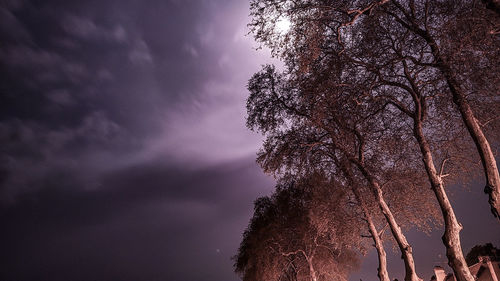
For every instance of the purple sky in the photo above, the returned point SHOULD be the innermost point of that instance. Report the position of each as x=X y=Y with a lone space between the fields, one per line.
x=124 y=154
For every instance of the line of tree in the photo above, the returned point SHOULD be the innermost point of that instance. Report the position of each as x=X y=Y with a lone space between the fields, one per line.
x=388 y=102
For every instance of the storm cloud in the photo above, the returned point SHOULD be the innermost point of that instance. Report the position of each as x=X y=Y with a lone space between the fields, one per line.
x=124 y=154
x=92 y=87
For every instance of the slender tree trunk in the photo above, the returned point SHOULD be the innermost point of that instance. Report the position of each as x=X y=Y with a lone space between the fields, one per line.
x=483 y=147
x=404 y=246
x=293 y=274
x=451 y=236
x=492 y=175
x=312 y=272
x=382 y=273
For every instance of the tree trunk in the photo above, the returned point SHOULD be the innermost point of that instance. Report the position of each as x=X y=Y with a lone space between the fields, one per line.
x=382 y=273
x=483 y=147
x=451 y=236
x=492 y=175
x=404 y=246
x=312 y=272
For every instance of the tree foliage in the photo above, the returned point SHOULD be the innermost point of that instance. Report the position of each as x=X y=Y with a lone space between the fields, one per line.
x=482 y=250
x=383 y=99
x=281 y=243
x=451 y=49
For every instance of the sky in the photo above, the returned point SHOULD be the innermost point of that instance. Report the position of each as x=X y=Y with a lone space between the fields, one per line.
x=123 y=148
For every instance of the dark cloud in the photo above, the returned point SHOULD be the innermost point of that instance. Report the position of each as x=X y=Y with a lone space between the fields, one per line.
x=91 y=86
x=151 y=222
x=123 y=150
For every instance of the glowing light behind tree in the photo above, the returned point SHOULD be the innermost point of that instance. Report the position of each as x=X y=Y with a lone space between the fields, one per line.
x=283 y=25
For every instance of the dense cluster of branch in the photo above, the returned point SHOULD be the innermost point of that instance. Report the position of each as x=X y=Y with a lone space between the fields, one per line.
x=281 y=243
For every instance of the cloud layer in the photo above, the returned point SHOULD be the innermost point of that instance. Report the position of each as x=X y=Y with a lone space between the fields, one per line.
x=124 y=154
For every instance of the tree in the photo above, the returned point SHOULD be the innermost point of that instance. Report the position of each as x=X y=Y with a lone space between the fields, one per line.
x=307 y=131
x=345 y=211
x=323 y=28
x=281 y=244
x=424 y=52
x=410 y=87
x=425 y=28
x=482 y=250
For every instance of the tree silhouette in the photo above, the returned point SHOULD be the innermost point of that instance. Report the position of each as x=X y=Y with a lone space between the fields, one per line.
x=378 y=94
x=281 y=244
x=307 y=130
x=482 y=250
x=457 y=42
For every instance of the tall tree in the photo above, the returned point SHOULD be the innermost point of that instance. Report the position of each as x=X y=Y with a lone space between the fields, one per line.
x=281 y=244
x=309 y=131
x=410 y=87
x=427 y=21
x=433 y=61
x=344 y=211
x=321 y=28
x=338 y=32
